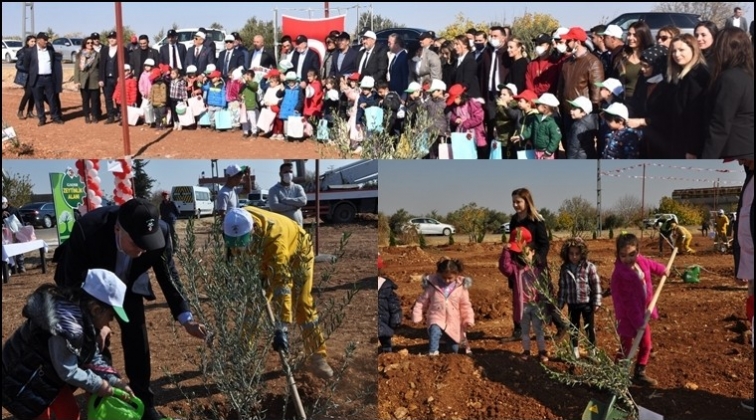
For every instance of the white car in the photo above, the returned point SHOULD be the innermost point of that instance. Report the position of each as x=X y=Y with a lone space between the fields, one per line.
x=186 y=37
x=10 y=48
x=68 y=47
x=428 y=226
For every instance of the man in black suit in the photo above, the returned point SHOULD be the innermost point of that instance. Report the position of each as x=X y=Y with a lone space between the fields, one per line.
x=492 y=71
x=230 y=58
x=209 y=43
x=40 y=62
x=398 y=69
x=129 y=240
x=344 y=58
x=466 y=71
x=199 y=55
x=259 y=58
x=239 y=45
x=139 y=56
x=109 y=74
x=304 y=59
x=173 y=54
x=373 y=58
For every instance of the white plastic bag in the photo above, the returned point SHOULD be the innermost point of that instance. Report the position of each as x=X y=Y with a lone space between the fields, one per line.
x=12 y=223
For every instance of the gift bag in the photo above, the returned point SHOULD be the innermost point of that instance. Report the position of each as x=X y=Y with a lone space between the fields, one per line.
x=148 y=112
x=463 y=147
x=26 y=234
x=224 y=119
x=133 y=115
x=323 y=133
x=295 y=127
x=12 y=223
x=444 y=150
x=204 y=120
x=187 y=118
x=196 y=105
x=7 y=236
x=495 y=150
x=265 y=121
x=374 y=119
x=527 y=154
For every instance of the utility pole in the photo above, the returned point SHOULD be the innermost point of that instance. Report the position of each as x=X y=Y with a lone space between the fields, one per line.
x=327 y=9
x=716 y=194
x=27 y=9
x=598 y=195
x=643 y=199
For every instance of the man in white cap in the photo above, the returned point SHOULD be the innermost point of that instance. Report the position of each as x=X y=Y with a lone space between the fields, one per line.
x=8 y=211
x=285 y=246
x=286 y=197
x=199 y=55
x=614 y=42
x=230 y=58
x=227 y=199
x=373 y=58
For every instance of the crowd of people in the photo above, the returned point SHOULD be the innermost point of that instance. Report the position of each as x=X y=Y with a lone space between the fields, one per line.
x=606 y=93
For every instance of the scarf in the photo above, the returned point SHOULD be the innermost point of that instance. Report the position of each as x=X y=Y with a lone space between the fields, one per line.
x=86 y=58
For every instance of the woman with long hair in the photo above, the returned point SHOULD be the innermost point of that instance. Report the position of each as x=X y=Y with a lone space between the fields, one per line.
x=666 y=34
x=706 y=34
x=518 y=54
x=688 y=73
x=87 y=78
x=639 y=39
x=22 y=77
x=448 y=57
x=729 y=110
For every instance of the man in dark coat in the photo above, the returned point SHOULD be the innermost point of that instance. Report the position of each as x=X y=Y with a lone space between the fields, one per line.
x=344 y=58
x=398 y=70
x=373 y=58
x=139 y=56
x=129 y=240
x=304 y=59
x=40 y=63
x=173 y=53
x=109 y=74
x=230 y=58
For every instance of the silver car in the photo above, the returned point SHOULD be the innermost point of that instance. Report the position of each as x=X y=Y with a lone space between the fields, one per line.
x=68 y=47
x=428 y=226
x=10 y=49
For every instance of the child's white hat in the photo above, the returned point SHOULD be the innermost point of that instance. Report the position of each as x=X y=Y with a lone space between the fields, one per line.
x=512 y=88
x=612 y=85
x=559 y=33
x=149 y=62
x=548 y=99
x=437 y=85
x=619 y=110
x=127 y=67
x=237 y=74
x=332 y=95
x=583 y=103
x=191 y=69
x=291 y=76
x=367 y=83
x=413 y=87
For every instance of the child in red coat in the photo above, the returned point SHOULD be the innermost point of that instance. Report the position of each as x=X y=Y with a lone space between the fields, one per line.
x=131 y=88
x=313 y=104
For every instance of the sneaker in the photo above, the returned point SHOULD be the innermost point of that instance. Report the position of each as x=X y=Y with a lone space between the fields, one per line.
x=433 y=353
x=543 y=356
x=747 y=404
x=320 y=367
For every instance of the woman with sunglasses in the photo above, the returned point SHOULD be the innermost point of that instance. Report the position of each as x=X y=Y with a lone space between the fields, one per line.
x=87 y=78
x=666 y=34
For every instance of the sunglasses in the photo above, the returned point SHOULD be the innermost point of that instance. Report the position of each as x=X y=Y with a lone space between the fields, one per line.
x=229 y=42
x=662 y=38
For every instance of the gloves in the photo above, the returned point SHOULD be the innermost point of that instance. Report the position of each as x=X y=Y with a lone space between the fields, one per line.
x=281 y=340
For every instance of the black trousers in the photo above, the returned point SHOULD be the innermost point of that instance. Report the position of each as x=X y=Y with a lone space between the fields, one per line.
x=584 y=310
x=27 y=101
x=108 y=90
x=385 y=343
x=44 y=91
x=136 y=348
x=90 y=101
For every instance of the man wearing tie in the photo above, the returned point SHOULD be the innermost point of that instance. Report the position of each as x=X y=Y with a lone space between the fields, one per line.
x=304 y=59
x=41 y=78
x=398 y=71
x=231 y=58
x=259 y=58
x=493 y=69
x=173 y=53
x=737 y=21
x=199 y=55
x=373 y=58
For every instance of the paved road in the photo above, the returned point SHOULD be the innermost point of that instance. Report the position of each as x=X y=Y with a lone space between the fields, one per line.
x=48 y=235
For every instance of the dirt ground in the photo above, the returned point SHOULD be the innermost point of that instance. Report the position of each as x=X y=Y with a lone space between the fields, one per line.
x=75 y=139
x=355 y=395
x=701 y=358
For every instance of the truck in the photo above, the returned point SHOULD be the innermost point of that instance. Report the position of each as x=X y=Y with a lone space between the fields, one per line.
x=345 y=192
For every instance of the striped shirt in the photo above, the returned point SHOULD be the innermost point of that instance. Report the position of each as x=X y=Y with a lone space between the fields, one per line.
x=579 y=284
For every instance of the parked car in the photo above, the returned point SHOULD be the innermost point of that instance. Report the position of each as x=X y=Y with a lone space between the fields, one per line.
x=657 y=219
x=10 y=49
x=39 y=214
x=243 y=202
x=410 y=35
x=68 y=47
x=504 y=228
x=656 y=20
x=428 y=226
x=186 y=37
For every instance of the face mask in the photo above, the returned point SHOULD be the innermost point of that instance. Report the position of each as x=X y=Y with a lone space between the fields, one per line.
x=479 y=47
x=562 y=48
x=495 y=42
x=472 y=43
x=541 y=50
x=417 y=59
x=287 y=177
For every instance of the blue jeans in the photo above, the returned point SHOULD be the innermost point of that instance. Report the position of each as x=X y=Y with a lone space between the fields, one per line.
x=436 y=333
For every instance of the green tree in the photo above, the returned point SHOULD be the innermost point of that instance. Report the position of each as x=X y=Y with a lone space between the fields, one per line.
x=460 y=26
x=52 y=34
x=530 y=25
x=471 y=219
x=398 y=219
x=687 y=213
x=715 y=11
x=549 y=217
x=375 y=23
x=255 y=26
x=216 y=26
x=143 y=183
x=17 y=188
x=127 y=33
x=578 y=216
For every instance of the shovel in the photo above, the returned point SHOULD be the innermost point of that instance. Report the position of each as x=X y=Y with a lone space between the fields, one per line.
x=597 y=410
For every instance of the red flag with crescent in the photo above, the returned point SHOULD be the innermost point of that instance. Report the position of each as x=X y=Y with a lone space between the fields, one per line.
x=316 y=30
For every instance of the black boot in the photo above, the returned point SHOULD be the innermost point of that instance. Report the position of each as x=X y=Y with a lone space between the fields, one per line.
x=21 y=115
x=87 y=119
x=517 y=331
x=641 y=378
x=31 y=114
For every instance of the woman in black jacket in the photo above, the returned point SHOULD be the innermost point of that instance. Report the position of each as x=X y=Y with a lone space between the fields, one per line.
x=729 y=112
x=690 y=76
x=22 y=76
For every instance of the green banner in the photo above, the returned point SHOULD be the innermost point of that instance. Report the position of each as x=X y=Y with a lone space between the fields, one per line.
x=68 y=193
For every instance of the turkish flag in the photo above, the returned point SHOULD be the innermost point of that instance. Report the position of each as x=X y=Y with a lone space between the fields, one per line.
x=316 y=30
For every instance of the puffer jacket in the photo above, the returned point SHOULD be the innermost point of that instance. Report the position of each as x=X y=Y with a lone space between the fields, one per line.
x=30 y=382
x=436 y=108
x=215 y=94
x=472 y=115
x=581 y=142
x=508 y=120
x=579 y=78
x=449 y=313
x=159 y=94
x=293 y=102
x=544 y=133
x=389 y=308
x=623 y=144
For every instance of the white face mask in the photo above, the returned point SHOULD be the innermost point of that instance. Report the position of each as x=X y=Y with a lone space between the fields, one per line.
x=562 y=48
x=287 y=178
x=541 y=50
x=495 y=42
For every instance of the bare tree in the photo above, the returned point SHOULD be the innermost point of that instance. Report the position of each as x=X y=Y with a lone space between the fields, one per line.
x=159 y=36
x=174 y=26
x=715 y=11
x=379 y=23
x=217 y=26
x=629 y=209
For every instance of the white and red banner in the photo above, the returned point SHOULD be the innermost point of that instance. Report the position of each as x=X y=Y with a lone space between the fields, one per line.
x=316 y=30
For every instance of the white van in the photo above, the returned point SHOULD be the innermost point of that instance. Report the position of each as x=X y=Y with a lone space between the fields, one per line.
x=258 y=198
x=193 y=201
x=186 y=37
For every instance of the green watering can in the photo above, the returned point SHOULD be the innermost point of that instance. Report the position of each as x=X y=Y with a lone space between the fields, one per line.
x=115 y=407
x=692 y=274
x=599 y=410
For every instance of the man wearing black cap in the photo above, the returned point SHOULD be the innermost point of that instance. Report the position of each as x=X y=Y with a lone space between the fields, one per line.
x=129 y=240
x=428 y=67
x=97 y=45
x=109 y=74
x=344 y=58
x=239 y=46
x=40 y=62
x=304 y=59
x=173 y=53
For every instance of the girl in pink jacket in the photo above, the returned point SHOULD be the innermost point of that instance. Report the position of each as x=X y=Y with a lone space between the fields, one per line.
x=632 y=291
x=467 y=116
x=446 y=306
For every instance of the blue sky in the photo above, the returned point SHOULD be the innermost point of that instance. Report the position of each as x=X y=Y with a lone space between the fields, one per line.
x=422 y=186
x=150 y=17
x=166 y=172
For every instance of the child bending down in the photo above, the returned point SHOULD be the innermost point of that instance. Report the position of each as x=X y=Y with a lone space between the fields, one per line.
x=445 y=303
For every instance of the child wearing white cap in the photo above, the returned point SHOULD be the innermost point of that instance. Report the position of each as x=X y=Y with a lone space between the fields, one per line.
x=622 y=142
x=56 y=350
x=285 y=244
x=131 y=88
x=436 y=107
x=580 y=143
x=546 y=134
